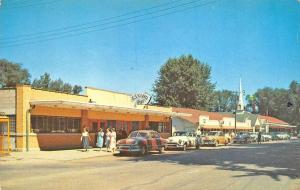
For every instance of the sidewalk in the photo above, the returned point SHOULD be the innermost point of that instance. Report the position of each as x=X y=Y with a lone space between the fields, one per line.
x=58 y=155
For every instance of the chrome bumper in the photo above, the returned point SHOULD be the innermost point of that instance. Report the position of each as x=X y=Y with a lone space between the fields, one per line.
x=128 y=148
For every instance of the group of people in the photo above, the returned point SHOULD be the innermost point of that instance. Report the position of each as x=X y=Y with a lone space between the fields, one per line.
x=109 y=139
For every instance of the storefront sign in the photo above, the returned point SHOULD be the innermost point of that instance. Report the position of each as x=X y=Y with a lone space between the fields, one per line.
x=141 y=98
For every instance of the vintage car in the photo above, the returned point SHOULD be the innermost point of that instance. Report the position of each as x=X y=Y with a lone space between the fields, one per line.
x=253 y=136
x=215 y=138
x=266 y=137
x=142 y=142
x=242 y=137
x=182 y=140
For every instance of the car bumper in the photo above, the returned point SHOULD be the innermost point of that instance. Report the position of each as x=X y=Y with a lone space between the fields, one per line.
x=173 y=146
x=208 y=142
x=129 y=148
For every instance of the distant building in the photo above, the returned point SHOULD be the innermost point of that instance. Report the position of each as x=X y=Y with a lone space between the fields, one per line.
x=272 y=124
x=208 y=121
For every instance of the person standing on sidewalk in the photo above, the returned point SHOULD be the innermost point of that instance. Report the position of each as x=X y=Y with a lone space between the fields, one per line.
x=85 y=138
x=113 y=143
x=107 y=141
x=259 y=138
x=100 y=136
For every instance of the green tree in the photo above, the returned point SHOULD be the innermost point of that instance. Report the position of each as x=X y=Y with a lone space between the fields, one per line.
x=12 y=74
x=224 y=101
x=281 y=103
x=184 y=82
x=76 y=89
x=56 y=85
x=43 y=82
x=67 y=88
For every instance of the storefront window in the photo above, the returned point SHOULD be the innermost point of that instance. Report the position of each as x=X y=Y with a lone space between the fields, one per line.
x=48 y=124
x=111 y=123
x=158 y=126
x=135 y=125
x=12 y=123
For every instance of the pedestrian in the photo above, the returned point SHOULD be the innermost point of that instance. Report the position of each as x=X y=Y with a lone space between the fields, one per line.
x=123 y=133
x=100 y=136
x=113 y=142
x=85 y=139
x=232 y=135
x=259 y=138
x=107 y=141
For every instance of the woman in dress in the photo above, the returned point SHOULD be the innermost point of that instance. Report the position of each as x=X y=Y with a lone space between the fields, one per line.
x=85 y=138
x=107 y=141
x=100 y=136
x=113 y=137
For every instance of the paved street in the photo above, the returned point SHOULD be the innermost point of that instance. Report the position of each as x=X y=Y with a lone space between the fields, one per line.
x=266 y=166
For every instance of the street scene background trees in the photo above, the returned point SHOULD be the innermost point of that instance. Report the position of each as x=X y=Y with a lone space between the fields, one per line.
x=13 y=73
x=182 y=82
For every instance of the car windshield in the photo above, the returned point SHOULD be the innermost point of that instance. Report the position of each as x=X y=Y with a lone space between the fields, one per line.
x=137 y=134
x=242 y=133
x=212 y=133
x=180 y=133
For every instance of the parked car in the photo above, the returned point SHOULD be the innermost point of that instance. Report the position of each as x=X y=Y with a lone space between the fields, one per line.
x=181 y=140
x=215 y=138
x=280 y=136
x=266 y=137
x=253 y=136
x=142 y=141
x=242 y=137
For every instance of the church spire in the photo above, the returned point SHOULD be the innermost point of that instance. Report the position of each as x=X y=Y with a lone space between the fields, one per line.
x=241 y=98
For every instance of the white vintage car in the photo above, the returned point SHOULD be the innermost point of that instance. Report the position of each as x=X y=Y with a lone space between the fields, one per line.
x=181 y=140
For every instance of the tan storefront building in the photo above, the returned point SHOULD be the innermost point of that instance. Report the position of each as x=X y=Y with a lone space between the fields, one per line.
x=41 y=119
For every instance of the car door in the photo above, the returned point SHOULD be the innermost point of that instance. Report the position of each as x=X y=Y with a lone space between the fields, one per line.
x=221 y=138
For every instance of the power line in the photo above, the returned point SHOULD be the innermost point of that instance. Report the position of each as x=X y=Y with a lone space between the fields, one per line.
x=20 y=2
x=103 y=24
x=109 y=27
x=28 y=5
x=88 y=23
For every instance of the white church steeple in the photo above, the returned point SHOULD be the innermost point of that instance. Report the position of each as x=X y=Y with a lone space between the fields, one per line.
x=241 y=98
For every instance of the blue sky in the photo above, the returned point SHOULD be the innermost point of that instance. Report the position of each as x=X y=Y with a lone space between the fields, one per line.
x=258 y=41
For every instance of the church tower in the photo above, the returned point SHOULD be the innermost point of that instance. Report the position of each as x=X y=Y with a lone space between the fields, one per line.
x=241 y=98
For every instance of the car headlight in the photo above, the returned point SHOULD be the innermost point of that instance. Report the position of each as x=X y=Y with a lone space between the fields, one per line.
x=136 y=142
x=179 y=141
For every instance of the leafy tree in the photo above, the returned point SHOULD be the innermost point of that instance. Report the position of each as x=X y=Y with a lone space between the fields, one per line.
x=76 y=89
x=184 y=82
x=12 y=74
x=281 y=103
x=224 y=101
x=252 y=104
x=67 y=88
x=43 y=82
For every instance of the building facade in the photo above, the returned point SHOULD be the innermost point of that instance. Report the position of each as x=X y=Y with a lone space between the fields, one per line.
x=43 y=120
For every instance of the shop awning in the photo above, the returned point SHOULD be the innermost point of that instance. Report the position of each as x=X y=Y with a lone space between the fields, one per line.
x=226 y=127
x=98 y=107
x=280 y=126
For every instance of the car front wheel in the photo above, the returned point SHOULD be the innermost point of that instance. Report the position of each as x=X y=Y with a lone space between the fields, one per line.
x=161 y=150
x=143 y=150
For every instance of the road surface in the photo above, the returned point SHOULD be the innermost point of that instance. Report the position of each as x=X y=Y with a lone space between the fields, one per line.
x=243 y=167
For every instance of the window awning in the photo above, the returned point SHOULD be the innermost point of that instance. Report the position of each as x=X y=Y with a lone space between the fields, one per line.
x=106 y=108
x=279 y=125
